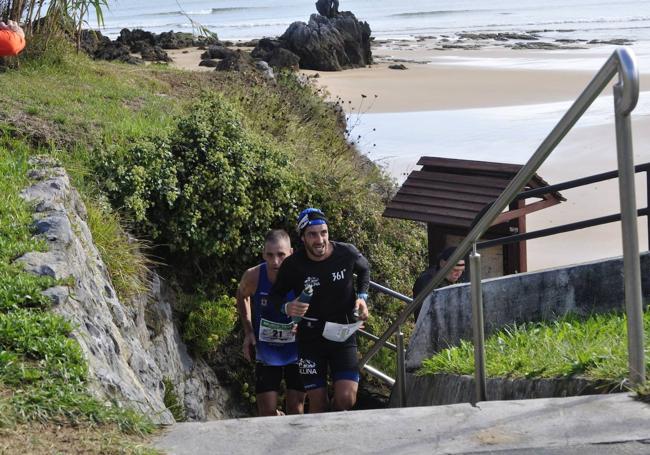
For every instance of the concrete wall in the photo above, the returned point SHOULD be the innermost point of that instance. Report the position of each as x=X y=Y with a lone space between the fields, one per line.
x=440 y=389
x=445 y=318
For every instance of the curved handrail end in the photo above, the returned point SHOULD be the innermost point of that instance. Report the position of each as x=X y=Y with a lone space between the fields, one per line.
x=628 y=84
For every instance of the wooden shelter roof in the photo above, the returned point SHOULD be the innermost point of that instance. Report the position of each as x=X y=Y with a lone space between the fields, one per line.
x=451 y=192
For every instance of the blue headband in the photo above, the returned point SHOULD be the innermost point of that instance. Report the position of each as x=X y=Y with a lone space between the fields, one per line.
x=310 y=217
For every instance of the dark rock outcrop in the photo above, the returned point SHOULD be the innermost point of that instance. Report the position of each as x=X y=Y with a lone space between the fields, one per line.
x=327 y=8
x=330 y=44
x=114 y=50
x=539 y=45
x=238 y=61
x=251 y=43
x=218 y=52
x=155 y=54
x=101 y=47
x=209 y=62
x=136 y=38
x=614 y=42
x=273 y=53
x=145 y=43
x=149 y=45
x=172 y=40
x=92 y=40
x=503 y=36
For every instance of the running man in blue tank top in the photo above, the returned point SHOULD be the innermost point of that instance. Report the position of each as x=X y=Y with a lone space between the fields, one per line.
x=269 y=338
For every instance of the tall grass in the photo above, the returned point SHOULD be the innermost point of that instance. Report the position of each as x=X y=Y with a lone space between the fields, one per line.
x=594 y=348
x=124 y=255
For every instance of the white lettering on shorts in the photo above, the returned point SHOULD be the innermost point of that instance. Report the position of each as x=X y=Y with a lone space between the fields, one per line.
x=307 y=366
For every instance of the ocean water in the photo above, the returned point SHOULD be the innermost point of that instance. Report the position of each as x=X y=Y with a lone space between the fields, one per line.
x=504 y=134
x=245 y=19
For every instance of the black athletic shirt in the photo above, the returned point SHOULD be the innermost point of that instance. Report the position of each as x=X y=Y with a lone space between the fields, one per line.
x=332 y=281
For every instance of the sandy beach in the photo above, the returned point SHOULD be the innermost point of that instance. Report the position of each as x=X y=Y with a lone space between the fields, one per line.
x=483 y=81
x=439 y=86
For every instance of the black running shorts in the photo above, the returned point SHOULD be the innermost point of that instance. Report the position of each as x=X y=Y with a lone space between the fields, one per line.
x=268 y=378
x=316 y=356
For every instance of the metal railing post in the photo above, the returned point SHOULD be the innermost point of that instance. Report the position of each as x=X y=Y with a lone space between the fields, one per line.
x=401 y=368
x=477 y=326
x=647 y=203
x=627 y=194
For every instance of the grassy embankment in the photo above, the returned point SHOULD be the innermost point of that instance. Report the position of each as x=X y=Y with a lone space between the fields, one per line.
x=60 y=108
x=594 y=348
x=43 y=403
x=81 y=112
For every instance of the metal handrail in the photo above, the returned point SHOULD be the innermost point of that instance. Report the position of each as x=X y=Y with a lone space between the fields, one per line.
x=569 y=226
x=397 y=348
x=626 y=93
x=538 y=192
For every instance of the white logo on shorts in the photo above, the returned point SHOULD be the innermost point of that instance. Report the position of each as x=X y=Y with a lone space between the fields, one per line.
x=307 y=366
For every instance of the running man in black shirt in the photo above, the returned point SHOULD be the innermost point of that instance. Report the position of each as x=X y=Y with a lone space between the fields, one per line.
x=325 y=331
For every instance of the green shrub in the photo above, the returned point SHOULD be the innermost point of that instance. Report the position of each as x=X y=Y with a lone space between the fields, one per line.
x=208 y=192
x=208 y=323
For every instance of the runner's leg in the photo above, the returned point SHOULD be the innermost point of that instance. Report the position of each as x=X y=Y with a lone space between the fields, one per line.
x=267 y=385
x=295 y=390
x=345 y=394
x=318 y=401
x=267 y=404
x=345 y=374
x=313 y=371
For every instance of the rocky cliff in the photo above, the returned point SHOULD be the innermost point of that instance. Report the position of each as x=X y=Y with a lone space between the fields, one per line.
x=131 y=347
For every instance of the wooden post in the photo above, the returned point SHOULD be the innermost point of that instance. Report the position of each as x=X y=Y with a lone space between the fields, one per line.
x=523 y=252
x=437 y=242
x=511 y=253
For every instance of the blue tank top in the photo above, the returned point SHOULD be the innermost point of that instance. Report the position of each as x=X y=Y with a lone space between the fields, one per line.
x=270 y=353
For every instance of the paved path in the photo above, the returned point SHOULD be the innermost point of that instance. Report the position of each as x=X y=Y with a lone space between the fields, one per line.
x=597 y=424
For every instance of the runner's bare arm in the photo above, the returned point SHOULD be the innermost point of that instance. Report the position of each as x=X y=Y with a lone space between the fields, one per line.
x=245 y=291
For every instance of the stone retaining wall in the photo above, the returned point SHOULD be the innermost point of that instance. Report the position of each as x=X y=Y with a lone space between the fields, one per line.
x=130 y=346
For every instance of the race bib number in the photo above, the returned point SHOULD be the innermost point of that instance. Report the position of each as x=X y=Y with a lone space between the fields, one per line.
x=276 y=332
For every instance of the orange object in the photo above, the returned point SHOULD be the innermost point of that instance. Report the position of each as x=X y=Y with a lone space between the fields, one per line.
x=11 y=43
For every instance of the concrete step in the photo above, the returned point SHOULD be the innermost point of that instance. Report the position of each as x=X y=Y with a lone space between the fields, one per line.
x=595 y=424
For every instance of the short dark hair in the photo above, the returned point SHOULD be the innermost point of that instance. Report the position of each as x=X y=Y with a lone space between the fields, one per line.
x=445 y=254
x=277 y=235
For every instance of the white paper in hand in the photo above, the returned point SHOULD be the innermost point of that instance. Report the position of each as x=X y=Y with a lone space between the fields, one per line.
x=340 y=332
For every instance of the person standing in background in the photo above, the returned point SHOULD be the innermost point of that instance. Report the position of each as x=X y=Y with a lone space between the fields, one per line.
x=12 y=39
